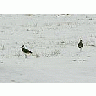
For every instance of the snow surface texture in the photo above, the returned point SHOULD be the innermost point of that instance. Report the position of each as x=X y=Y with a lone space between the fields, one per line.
x=53 y=40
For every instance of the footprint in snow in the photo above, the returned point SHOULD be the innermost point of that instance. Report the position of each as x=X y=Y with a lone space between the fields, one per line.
x=79 y=60
x=12 y=80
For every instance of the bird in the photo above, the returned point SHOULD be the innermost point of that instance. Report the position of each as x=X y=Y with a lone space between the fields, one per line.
x=26 y=51
x=80 y=45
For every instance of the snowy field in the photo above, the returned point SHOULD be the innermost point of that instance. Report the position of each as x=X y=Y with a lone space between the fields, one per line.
x=54 y=39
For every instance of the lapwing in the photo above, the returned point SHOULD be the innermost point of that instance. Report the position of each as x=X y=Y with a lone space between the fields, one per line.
x=80 y=45
x=26 y=51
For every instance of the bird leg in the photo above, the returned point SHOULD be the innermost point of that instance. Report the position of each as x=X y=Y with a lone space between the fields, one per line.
x=80 y=49
x=25 y=56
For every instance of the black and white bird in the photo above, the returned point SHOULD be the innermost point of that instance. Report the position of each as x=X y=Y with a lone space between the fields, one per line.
x=26 y=51
x=80 y=45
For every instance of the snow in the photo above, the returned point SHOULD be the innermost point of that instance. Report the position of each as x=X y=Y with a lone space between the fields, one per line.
x=54 y=38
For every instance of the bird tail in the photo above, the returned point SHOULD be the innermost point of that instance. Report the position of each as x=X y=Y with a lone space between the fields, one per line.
x=30 y=52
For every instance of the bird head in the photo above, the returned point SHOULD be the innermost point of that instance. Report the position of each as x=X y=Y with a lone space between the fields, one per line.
x=22 y=46
x=80 y=40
